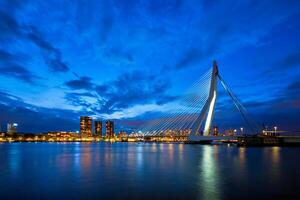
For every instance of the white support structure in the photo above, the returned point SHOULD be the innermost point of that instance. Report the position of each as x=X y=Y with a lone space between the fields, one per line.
x=208 y=109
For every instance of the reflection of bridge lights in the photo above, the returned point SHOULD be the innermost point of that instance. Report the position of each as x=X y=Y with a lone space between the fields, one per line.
x=209 y=174
x=242 y=151
x=275 y=154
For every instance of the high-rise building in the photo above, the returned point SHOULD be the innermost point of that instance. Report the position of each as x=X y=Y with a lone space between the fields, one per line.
x=109 y=129
x=215 y=130
x=86 y=126
x=98 y=128
x=12 y=128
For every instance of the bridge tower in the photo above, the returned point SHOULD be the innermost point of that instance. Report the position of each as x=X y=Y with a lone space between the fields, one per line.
x=209 y=106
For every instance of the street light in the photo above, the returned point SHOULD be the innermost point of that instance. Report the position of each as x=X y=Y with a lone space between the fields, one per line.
x=275 y=129
x=242 y=130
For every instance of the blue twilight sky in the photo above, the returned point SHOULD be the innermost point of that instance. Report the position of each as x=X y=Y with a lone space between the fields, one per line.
x=126 y=59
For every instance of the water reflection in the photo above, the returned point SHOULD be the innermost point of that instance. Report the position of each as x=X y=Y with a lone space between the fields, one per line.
x=180 y=152
x=241 y=166
x=146 y=171
x=275 y=169
x=242 y=151
x=14 y=159
x=76 y=157
x=171 y=152
x=140 y=158
x=209 y=175
x=275 y=155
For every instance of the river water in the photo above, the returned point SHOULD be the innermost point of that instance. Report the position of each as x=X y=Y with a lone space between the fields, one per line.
x=147 y=171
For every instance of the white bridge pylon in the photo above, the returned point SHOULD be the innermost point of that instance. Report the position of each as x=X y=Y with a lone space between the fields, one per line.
x=209 y=106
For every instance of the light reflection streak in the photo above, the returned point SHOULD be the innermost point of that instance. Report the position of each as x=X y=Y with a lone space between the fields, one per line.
x=171 y=152
x=275 y=170
x=180 y=151
x=275 y=155
x=208 y=180
x=140 y=158
x=77 y=157
x=14 y=158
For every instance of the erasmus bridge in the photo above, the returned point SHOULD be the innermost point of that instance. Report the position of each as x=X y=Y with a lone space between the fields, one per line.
x=191 y=115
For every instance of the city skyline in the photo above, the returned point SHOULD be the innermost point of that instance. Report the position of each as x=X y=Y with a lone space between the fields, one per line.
x=126 y=61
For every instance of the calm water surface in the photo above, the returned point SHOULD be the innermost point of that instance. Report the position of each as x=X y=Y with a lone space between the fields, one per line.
x=147 y=171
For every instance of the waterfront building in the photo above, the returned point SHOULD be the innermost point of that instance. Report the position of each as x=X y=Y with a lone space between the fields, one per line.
x=109 y=129
x=86 y=126
x=122 y=134
x=215 y=130
x=230 y=132
x=98 y=128
x=12 y=128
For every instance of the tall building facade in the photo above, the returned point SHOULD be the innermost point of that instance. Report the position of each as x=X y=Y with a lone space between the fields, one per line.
x=98 y=128
x=86 y=126
x=109 y=129
x=215 y=130
x=12 y=128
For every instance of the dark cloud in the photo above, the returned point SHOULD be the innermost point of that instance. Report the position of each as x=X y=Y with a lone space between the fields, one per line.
x=81 y=83
x=223 y=28
x=12 y=5
x=127 y=90
x=288 y=98
x=294 y=87
x=283 y=110
x=107 y=20
x=52 y=55
x=163 y=7
x=10 y=67
x=132 y=88
x=56 y=65
x=6 y=56
x=190 y=57
x=77 y=99
x=11 y=30
x=18 y=72
x=290 y=61
x=118 y=52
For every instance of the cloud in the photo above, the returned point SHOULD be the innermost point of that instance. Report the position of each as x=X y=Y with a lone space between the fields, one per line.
x=11 y=30
x=118 y=52
x=10 y=67
x=128 y=90
x=52 y=55
x=83 y=82
x=221 y=28
x=290 y=61
x=288 y=98
x=14 y=109
x=18 y=72
x=132 y=88
x=83 y=99
x=294 y=87
x=9 y=58
x=190 y=57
